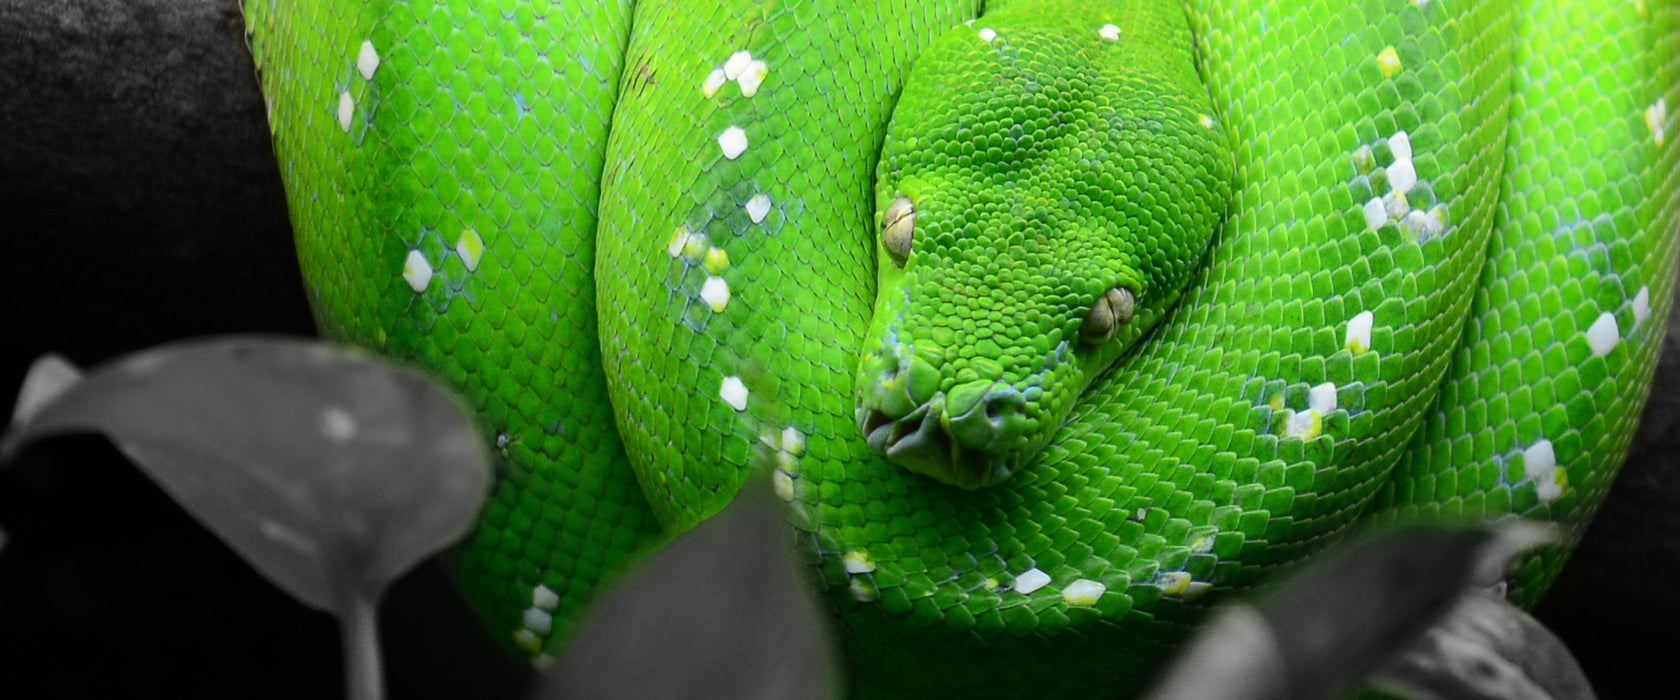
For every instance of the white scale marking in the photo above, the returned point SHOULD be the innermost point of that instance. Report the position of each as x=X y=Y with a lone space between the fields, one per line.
x=1540 y=466
x=715 y=292
x=682 y=239
x=758 y=207
x=1031 y=580
x=783 y=484
x=742 y=68
x=1415 y=221
x=1375 y=213
x=470 y=247
x=861 y=591
x=1322 y=398
x=1434 y=222
x=1305 y=425
x=987 y=34
x=538 y=621
x=1539 y=459
x=1359 y=332
x=734 y=393
x=792 y=441
x=1309 y=424
x=346 y=110
x=733 y=141
x=1603 y=334
x=737 y=64
x=1174 y=583
x=1402 y=176
x=1655 y=117
x=858 y=562
x=417 y=271
x=714 y=81
x=752 y=77
x=1109 y=32
x=367 y=61
x=544 y=598
x=1642 y=305
x=1400 y=144
x=1395 y=204
x=1083 y=592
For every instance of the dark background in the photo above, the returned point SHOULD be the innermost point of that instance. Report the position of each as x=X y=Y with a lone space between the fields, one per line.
x=140 y=204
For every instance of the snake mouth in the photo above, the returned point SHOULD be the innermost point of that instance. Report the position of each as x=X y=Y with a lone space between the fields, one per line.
x=924 y=442
x=970 y=434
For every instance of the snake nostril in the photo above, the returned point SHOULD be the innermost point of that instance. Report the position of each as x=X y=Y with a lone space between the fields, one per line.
x=1004 y=402
x=889 y=369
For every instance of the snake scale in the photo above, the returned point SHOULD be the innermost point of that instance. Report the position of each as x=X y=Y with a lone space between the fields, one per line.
x=1124 y=307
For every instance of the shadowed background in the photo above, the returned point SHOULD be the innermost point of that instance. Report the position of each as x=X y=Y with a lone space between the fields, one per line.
x=140 y=203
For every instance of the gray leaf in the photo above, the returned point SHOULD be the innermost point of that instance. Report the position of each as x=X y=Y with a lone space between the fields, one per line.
x=721 y=612
x=331 y=472
x=1344 y=615
x=1487 y=649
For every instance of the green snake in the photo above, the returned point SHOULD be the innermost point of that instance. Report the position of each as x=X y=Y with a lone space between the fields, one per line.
x=1054 y=323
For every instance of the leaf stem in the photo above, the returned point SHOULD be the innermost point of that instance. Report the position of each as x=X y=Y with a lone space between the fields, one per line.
x=363 y=676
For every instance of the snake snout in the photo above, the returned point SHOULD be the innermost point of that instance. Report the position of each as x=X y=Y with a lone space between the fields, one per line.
x=952 y=436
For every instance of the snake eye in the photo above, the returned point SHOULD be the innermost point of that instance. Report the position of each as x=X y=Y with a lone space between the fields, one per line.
x=898 y=224
x=1111 y=310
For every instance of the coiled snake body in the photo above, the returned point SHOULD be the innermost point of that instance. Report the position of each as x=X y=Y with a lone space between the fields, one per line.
x=1161 y=296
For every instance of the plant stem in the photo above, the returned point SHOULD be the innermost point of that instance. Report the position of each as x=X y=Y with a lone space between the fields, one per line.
x=363 y=676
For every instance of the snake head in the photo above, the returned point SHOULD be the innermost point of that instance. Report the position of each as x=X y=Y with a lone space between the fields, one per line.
x=963 y=394
x=1043 y=194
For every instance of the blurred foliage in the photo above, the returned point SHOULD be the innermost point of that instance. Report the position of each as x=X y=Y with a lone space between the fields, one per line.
x=1405 y=612
x=332 y=472
x=722 y=612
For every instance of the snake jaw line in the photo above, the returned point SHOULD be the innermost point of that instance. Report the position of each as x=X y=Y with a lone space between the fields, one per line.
x=950 y=437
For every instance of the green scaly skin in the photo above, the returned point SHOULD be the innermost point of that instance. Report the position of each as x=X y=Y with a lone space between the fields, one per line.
x=470 y=115
x=1477 y=349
